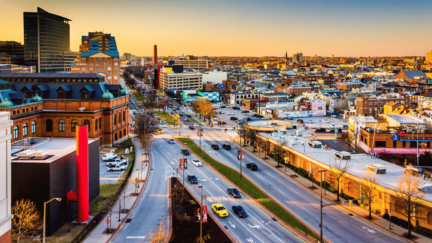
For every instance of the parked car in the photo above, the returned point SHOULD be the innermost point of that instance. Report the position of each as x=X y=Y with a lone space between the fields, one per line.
x=310 y=121
x=215 y=146
x=196 y=162
x=159 y=131
x=236 y=108
x=334 y=116
x=223 y=106
x=171 y=141
x=117 y=162
x=196 y=124
x=226 y=146
x=116 y=168
x=245 y=111
x=320 y=130
x=332 y=125
x=233 y=192
x=180 y=114
x=237 y=209
x=108 y=156
x=345 y=126
x=185 y=152
x=233 y=118
x=221 y=123
x=220 y=210
x=188 y=115
x=251 y=166
x=192 y=179
x=191 y=127
x=185 y=119
x=114 y=159
x=325 y=120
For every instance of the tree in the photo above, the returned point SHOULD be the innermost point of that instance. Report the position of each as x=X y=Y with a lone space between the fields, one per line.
x=366 y=189
x=409 y=197
x=242 y=133
x=204 y=107
x=338 y=168
x=160 y=235
x=278 y=150
x=26 y=220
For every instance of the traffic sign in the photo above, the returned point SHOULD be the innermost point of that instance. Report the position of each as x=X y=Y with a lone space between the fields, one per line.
x=242 y=155
x=286 y=158
x=180 y=164
x=204 y=214
x=107 y=221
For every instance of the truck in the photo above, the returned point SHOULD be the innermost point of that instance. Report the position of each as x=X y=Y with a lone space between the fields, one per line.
x=117 y=162
x=108 y=156
x=116 y=168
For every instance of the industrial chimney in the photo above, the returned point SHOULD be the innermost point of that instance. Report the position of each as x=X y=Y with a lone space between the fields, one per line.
x=155 y=62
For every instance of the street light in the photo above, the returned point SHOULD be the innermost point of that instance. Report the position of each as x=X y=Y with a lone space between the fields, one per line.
x=201 y=213
x=45 y=203
x=183 y=169
x=321 y=208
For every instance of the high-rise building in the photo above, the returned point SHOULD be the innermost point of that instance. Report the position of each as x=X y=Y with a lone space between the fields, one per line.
x=298 y=57
x=46 y=41
x=99 y=54
x=127 y=56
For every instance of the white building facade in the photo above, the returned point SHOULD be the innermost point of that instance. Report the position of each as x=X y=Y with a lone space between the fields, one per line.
x=5 y=177
x=215 y=77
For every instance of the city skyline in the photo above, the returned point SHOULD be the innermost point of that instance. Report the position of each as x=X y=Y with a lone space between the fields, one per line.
x=242 y=29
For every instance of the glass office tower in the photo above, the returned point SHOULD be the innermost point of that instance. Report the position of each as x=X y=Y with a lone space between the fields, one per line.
x=46 y=41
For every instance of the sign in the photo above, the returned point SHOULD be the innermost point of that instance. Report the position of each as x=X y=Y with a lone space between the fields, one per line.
x=204 y=214
x=185 y=164
x=222 y=86
x=245 y=100
x=395 y=137
x=286 y=158
x=242 y=155
x=180 y=164
x=107 y=221
x=238 y=155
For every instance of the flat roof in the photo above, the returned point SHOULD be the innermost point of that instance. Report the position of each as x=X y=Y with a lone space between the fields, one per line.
x=57 y=147
x=358 y=163
x=406 y=119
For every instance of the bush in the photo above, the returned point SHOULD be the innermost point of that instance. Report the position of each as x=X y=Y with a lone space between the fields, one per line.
x=398 y=221
x=423 y=231
x=302 y=172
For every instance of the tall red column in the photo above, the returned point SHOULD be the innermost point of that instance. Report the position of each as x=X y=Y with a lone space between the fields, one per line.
x=82 y=159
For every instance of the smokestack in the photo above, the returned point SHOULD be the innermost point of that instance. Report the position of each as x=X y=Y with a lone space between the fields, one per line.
x=155 y=62
x=82 y=159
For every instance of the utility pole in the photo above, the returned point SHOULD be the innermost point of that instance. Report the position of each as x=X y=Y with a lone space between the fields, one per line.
x=321 y=206
x=201 y=213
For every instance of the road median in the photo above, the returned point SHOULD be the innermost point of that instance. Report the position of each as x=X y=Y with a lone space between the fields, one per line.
x=255 y=192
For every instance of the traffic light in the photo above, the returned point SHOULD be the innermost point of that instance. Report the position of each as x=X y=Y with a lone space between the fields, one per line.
x=350 y=203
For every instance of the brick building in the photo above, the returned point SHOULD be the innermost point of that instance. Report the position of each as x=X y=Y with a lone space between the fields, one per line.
x=229 y=85
x=52 y=105
x=298 y=90
x=249 y=104
x=347 y=85
x=98 y=54
x=372 y=106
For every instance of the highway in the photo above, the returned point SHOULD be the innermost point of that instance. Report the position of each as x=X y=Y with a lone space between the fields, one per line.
x=339 y=226
x=152 y=206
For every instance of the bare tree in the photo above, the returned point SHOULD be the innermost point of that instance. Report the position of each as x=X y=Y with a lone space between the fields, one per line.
x=409 y=197
x=160 y=235
x=136 y=183
x=367 y=188
x=338 y=168
x=26 y=220
x=278 y=150
x=145 y=124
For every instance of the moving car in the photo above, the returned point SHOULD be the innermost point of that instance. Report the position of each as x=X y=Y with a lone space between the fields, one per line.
x=236 y=108
x=237 y=209
x=233 y=118
x=191 y=127
x=325 y=120
x=234 y=192
x=252 y=166
x=223 y=106
x=188 y=115
x=196 y=124
x=185 y=152
x=221 y=123
x=332 y=125
x=192 y=179
x=220 y=210
x=320 y=130
x=245 y=111
x=310 y=121
x=159 y=131
x=171 y=141
x=116 y=168
x=215 y=146
x=196 y=162
x=185 y=119
x=226 y=146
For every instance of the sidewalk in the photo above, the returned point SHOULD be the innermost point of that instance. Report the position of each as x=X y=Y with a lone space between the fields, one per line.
x=99 y=233
x=357 y=210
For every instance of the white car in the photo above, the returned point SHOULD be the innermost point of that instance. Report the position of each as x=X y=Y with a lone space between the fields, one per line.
x=310 y=121
x=196 y=125
x=325 y=120
x=334 y=116
x=196 y=162
x=332 y=125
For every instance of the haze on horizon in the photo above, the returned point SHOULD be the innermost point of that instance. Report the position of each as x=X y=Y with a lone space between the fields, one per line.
x=241 y=27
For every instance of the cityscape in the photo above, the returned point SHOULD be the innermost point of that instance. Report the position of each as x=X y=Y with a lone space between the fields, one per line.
x=212 y=122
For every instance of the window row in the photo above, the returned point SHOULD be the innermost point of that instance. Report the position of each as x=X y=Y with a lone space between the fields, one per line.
x=74 y=123
x=26 y=110
x=119 y=117
x=16 y=130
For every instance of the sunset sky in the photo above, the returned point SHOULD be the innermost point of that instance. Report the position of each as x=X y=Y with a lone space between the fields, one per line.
x=241 y=27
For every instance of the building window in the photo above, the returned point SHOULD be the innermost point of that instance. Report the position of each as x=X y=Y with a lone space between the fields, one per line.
x=115 y=119
x=100 y=123
x=119 y=118
x=116 y=64
x=49 y=125
x=83 y=58
x=96 y=125
x=13 y=113
x=124 y=131
x=381 y=144
x=120 y=134
x=399 y=207
x=74 y=123
x=124 y=115
x=108 y=68
x=404 y=144
x=115 y=137
x=87 y=122
x=103 y=59
x=62 y=126
x=103 y=64
x=33 y=127
x=96 y=68
x=428 y=144
x=97 y=59
x=350 y=187
x=83 y=68
x=394 y=144
x=413 y=144
x=15 y=132
x=429 y=218
x=25 y=130
x=90 y=68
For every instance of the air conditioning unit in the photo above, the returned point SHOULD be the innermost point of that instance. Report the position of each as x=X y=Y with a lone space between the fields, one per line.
x=298 y=133
x=315 y=144
x=26 y=154
x=377 y=168
x=343 y=155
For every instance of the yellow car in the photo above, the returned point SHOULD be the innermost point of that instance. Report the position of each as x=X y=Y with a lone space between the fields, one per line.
x=159 y=131
x=220 y=210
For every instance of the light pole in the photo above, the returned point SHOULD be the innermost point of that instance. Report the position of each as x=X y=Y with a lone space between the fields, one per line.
x=44 y=216
x=321 y=206
x=390 y=215
x=201 y=213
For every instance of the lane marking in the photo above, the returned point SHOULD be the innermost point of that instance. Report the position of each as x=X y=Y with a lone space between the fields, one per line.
x=135 y=237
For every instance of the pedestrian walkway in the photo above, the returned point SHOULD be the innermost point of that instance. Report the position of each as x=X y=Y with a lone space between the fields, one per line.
x=330 y=197
x=99 y=234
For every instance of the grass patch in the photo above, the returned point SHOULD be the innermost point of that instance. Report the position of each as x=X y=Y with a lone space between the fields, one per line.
x=167 y=117
x=140 y=97
x=250 y=189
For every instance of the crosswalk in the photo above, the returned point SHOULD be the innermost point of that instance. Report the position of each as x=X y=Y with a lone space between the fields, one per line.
x=225 y=139
x=162 y=136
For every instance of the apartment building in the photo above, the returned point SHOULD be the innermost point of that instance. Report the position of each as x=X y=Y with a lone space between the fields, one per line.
x=192 y=64
x=372 y=106
x=98 y=54
x=298 y=90
x=181 y=81
x=347 y=85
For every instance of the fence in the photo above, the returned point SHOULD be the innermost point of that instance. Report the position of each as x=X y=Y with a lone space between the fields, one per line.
x=101 y=215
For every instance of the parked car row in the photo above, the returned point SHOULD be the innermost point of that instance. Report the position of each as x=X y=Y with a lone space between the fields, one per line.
x=114 y=162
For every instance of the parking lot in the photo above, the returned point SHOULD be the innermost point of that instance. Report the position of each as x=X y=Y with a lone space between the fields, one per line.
x=107 y=177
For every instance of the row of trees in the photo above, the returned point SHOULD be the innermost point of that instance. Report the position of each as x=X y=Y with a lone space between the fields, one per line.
x=204 y=107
